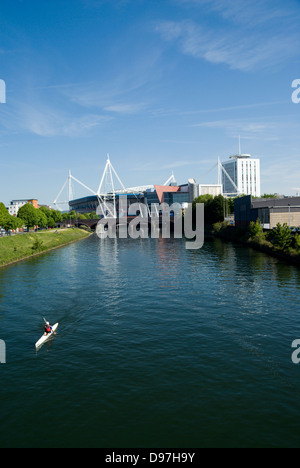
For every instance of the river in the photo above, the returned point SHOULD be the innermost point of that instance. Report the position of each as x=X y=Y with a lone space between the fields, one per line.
x=158 y=346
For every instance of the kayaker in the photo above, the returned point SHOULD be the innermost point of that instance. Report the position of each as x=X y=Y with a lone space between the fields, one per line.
x=48 y=329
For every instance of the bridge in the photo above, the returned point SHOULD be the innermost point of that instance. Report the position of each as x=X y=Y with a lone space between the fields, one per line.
x=93 y=223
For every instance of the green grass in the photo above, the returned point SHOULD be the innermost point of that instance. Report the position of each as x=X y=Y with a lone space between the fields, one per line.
x=16 y=248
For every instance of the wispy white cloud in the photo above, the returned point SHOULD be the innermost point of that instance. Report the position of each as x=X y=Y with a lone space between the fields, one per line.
x=248 y=12
x=58 y=125
x=237 y=124
x=266 y=130
x=128 y=108
x=251 y=34
x=46 y=121
x=125 y=89
x=119 y=96
x=230 y=47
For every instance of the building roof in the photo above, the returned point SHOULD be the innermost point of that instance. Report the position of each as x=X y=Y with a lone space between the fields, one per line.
x=161 y=189
x=24 y=200
x=275 y=202
x=240 y=156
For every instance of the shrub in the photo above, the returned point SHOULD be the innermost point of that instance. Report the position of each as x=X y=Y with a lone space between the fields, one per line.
x=283 y=237
x=255 y=230
x=217 y=227
x=38 y=245
x=297 y=242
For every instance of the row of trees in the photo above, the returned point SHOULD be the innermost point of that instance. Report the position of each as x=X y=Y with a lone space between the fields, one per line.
x=43 y=217
x=30 y=217
x=73 y=215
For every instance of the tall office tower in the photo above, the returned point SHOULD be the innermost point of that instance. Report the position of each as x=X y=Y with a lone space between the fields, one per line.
x=240 y=175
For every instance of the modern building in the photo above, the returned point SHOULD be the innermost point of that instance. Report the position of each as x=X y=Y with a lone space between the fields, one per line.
x=91 y=204
x=157 y=195
x=15 y=205
x=214 y=190
x=269 y=211
x=241 y=175
x=168 y=194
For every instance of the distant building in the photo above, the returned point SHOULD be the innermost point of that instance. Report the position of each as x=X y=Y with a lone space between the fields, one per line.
x=213 y=190
x=269 y=211
x=170 y=194
x=156 y=195
x=15 y=205
x=241 y=175
x=91 y=204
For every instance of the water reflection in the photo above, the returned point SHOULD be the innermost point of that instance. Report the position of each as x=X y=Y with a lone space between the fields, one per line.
x=144 y=323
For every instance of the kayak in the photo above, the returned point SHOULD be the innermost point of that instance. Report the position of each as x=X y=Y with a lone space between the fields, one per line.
x=47 y=337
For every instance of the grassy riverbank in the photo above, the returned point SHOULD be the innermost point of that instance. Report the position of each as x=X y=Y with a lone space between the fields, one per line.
x=19 y=247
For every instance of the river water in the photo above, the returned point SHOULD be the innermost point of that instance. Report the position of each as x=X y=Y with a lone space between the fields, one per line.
x=158 y=346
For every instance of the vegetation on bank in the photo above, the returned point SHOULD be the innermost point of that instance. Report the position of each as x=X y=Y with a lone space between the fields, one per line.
x=280 y=240
x=73 y=215
x=30 y=217
x=15 y=248
x=217 y=208
x=43 y=217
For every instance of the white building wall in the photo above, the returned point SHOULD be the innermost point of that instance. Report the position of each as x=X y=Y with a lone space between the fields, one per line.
x=14 y=207
x=213 y=190
x=245 y=172
x=249 y=177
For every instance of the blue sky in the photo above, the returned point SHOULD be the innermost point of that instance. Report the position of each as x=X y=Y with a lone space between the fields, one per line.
x=161 y=85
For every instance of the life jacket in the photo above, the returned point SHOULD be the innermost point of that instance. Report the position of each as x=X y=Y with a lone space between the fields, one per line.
x=48 y=329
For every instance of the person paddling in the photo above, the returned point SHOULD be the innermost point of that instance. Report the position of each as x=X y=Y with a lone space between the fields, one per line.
x=48 y=329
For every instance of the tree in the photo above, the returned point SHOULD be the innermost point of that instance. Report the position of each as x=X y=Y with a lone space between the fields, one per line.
x=7 y=221
x=51 y=222
x=213 y=206
x=13 y=223
x=42 y=220
x=217 y=209
x=283 y=237
x=4 y=215
x=53 y=216
x=57 y=216
x=66 y=216
x=29 y=215
x=255 y=230
x=269 y=195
